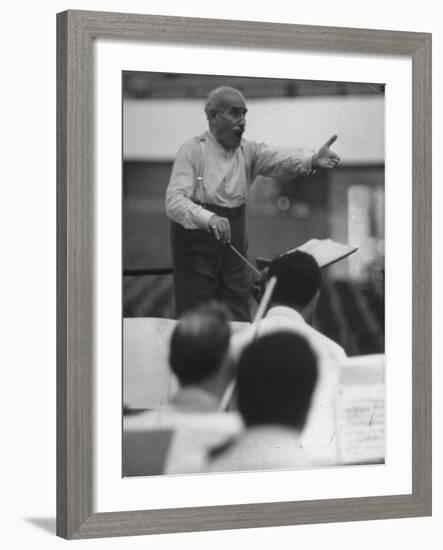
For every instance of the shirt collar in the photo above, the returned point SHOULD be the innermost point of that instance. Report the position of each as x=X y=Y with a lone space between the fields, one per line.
x=284 y=311
x=273 y=437
x=195 y=399
x=209 y=136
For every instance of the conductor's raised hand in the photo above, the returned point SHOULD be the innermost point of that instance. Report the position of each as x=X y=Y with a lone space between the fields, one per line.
x=221 y=228
x=325 y=157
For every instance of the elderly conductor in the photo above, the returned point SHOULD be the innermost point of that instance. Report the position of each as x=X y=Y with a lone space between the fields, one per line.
x=206 y=199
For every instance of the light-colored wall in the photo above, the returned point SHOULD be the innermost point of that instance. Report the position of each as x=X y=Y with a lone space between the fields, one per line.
x=154 y=129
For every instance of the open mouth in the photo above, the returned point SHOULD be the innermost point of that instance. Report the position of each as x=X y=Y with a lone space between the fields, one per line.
x=238 y=132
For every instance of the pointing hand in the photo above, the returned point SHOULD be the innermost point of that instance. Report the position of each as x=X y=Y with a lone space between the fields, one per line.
x=325 y=158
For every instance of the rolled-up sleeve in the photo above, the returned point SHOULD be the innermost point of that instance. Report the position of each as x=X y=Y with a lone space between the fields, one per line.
x=179 y=205
x=277 y=163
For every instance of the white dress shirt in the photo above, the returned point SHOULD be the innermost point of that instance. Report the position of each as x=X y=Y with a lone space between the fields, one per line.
x=319 y=435
x=269 y=447
x=195 y=424
x=205 y=172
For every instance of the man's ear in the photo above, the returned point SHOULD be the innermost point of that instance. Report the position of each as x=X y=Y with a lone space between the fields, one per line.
x=308 y=311
x=315 y=300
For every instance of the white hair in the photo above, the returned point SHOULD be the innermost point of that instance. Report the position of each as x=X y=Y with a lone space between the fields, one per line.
x=218 y=96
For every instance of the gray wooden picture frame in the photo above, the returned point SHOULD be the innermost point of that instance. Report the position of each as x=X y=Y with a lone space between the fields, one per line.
x=76 y=32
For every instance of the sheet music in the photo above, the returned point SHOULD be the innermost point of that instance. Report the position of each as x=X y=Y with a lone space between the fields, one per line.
x=326 y=251
x=361 y=423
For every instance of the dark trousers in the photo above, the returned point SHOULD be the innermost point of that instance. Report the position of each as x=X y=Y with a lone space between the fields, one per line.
x=205 y=269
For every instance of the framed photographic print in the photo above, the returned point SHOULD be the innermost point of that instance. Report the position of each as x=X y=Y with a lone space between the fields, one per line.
x=131 y=90
x=285 y=209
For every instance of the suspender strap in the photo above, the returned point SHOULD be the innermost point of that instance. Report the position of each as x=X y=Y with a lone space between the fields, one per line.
x=202 y=160
x=199 y=183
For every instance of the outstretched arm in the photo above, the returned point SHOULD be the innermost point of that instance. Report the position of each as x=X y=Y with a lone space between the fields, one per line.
x=277 y=163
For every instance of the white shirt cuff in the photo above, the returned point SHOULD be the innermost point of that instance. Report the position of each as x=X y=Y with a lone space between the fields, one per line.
x=202 y=218
x=307 y=164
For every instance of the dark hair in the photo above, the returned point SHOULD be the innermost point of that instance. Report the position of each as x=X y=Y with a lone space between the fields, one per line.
x=199 y=343
x=298 y=279
x=277 y=374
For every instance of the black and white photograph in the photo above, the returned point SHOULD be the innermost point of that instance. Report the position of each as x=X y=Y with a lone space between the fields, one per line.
x=253 y=282
x=154 y=398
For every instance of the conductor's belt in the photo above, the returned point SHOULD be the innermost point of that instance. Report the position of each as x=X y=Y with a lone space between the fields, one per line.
x=224 y=211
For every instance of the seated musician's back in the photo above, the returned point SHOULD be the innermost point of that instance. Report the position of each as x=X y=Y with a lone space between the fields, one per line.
x=192 y=423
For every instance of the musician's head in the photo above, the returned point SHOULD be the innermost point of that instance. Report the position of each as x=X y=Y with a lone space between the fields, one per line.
x=226 y=113
x=199 y=345
x=277 y=375
x=298 y=281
